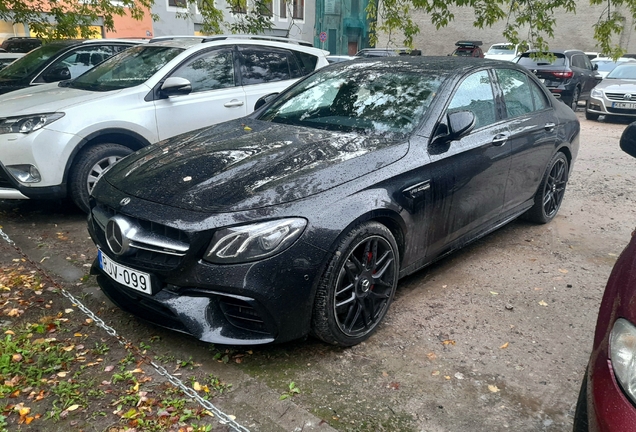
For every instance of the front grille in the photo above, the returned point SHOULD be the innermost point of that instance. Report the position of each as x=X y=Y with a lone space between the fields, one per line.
x=240 y=314
x=618 y=97
x=149 y=250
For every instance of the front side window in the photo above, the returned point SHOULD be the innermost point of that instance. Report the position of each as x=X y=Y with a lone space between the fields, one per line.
x=209 y=72
x=475 y=94
x=359 y=98
x=261 y=66
x=128 y=69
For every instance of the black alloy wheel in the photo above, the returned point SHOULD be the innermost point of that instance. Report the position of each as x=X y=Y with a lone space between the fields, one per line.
x=357 y=287
x=549 y=197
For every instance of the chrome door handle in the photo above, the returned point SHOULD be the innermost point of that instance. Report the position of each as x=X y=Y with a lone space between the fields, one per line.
x=549 y=126
x=233 y=103
x=499 y=139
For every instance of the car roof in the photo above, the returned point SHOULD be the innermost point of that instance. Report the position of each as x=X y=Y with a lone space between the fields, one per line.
x=196 y=44
x=447 y=65
x=223 y=37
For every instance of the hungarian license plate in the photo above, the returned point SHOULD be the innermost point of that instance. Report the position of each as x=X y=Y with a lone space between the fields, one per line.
x=134 y=279
x=624 y=105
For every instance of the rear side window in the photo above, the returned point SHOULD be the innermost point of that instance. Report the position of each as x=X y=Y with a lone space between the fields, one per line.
x=521 y=95
x=307 y=62
x=579 y=61
x=261 y=66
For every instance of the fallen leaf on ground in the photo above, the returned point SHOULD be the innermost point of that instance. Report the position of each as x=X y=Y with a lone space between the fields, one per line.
x=504 y=346
x=493 y=388
x=542 y=303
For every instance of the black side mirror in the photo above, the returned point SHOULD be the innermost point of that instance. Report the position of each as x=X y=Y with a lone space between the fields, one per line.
x=175 y=86
x=59 y=73
x=628 y=140
x=264 y=100
x=460 y=123
x=595 y=66
x=456 y=125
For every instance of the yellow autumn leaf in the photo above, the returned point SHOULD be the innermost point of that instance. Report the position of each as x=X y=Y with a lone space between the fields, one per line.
x=493 y=388
x=542 y=303
x=9 y=332
x=78 y=335
x=24 y=411
x=196 y=386
x=504 y=346
x=62 y=374
x=72 y=407
x=69 y=348
x=247 y=128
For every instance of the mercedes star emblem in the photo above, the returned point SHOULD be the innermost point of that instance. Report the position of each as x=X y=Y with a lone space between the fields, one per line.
x=118 y=230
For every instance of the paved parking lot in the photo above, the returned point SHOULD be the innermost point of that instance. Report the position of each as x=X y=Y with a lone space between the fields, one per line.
x=493 y=338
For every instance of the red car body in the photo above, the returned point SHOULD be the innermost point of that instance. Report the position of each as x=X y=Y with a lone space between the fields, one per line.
x=603 y=405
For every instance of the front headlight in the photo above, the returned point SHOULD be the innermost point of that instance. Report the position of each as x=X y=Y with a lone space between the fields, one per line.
x=623 y=355
x=28 y=123
x=252 y=242
x=597 y=93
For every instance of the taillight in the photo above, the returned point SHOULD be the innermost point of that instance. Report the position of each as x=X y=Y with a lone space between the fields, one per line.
x=563 y=74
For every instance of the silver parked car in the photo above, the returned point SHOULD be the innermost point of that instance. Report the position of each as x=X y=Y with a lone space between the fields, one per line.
x=615 y=95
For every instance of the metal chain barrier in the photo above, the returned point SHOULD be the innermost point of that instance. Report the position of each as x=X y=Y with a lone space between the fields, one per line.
x=222 y=417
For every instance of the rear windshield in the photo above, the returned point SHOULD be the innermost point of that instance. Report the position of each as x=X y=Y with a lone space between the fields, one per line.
x=31 y=62
x=542 y=59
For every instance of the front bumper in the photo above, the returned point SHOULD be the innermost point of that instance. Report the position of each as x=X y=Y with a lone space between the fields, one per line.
x=605 y=106
x=239 y=304
x=46 y=150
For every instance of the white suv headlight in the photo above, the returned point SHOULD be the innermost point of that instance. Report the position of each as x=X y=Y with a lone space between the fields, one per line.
x=597 y=93
x=623 y=355
x=253 y=242
x=28 y=123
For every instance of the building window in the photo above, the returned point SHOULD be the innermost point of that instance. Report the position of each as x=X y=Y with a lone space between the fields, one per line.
x=283 y=9
x=268 y=7
x=177 y=3
x=238 y=6
x=299 y=9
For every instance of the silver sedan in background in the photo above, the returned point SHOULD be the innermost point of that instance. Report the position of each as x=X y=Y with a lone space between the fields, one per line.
x=615 y=95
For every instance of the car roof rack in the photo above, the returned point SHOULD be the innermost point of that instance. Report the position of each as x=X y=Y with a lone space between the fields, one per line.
x=464 y=43
x=258 y=37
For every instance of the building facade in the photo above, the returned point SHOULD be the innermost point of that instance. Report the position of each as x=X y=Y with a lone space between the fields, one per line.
x=290 y=18
x=343 y=25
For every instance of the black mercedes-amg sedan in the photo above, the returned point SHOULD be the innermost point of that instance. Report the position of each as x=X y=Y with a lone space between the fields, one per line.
x=302 y=217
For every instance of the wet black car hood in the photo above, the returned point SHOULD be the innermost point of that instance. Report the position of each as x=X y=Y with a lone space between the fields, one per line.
x=247 y=164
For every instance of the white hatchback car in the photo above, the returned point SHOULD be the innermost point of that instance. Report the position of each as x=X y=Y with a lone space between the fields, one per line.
x=57 y=139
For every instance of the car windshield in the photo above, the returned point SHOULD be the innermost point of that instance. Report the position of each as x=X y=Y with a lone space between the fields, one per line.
x=130 y=68
x=31 y=62
x=605 y=65
x=501 y=49
x=540 y=59
x=390 y=99
x=623 y=71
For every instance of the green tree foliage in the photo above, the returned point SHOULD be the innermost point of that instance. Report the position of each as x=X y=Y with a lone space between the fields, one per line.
x=55 y=19
x=528 y=22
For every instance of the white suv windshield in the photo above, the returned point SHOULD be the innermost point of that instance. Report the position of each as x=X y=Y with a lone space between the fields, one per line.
x=31 y=62
x=128 y=69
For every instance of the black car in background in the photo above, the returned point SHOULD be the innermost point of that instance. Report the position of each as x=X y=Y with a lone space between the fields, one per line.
x=18 y=44
x=568 y=74
x=60 y=60
x=301 y=217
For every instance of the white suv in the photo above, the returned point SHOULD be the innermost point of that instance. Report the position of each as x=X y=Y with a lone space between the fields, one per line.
x=57 y=139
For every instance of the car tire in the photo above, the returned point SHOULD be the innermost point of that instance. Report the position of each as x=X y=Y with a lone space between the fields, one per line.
x=580 y=414
x=549 y=196
x=591 y=116
x=358 y=286
x=89 y=167
x=574 y=102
